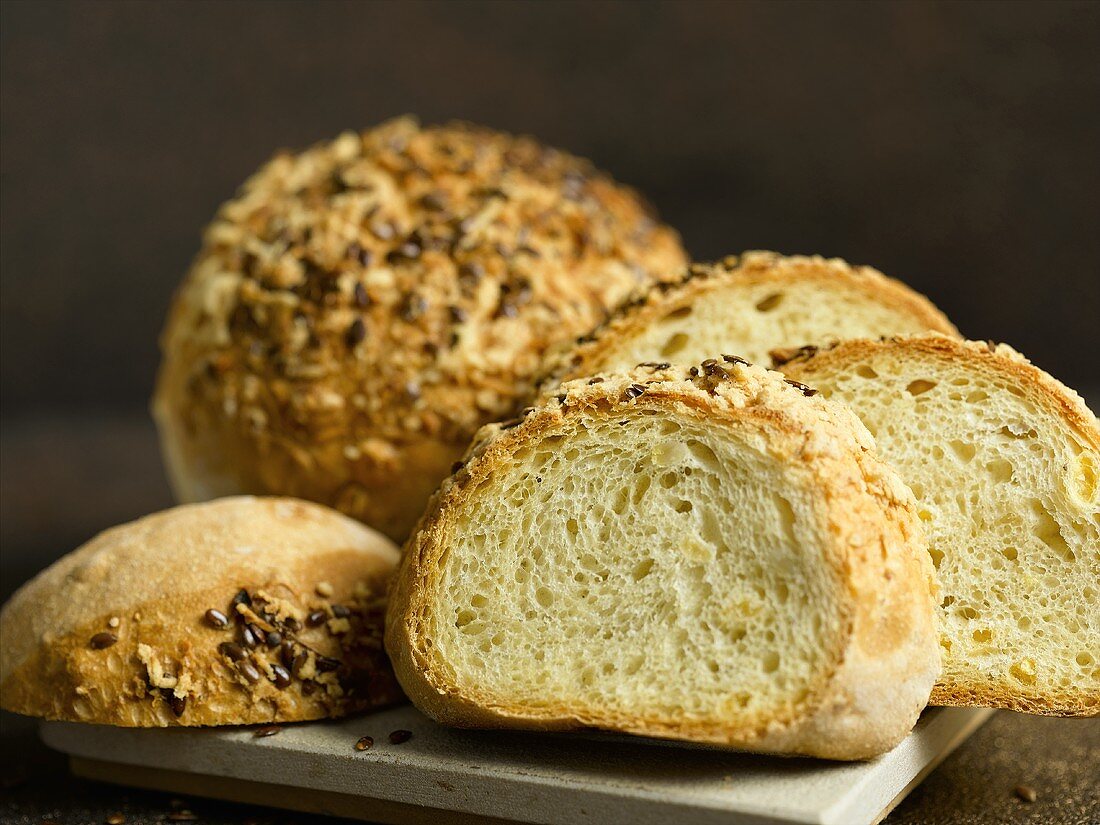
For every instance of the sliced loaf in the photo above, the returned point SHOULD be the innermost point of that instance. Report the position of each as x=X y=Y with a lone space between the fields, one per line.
x=711 y=554
x=1004 y=462
x=751 y=305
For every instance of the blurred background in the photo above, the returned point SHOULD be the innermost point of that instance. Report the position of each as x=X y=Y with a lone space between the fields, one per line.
x=955 y=146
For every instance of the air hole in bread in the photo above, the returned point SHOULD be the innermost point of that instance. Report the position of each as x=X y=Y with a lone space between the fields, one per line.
x=677 y=314
x=864 y=371
x=963 y=451
x=770 y=302
x=675 y=344
x=1050 y=534
x=920 y=386
x=1000 y=470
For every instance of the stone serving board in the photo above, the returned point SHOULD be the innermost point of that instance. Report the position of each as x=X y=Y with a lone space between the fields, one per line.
x=458 y=776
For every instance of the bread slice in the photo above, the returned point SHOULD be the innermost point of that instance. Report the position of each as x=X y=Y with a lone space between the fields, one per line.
x=234 y=612
x=751 y=305
x=712 y=554
x=1004 y=461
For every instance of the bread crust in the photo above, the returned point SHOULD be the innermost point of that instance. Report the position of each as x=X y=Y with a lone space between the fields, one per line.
x=1003 y=362
x=888 y=657
x=587 y=355
x=118 y=632
x=361 y=308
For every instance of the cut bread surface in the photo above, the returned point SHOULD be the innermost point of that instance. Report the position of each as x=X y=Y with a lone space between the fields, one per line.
x=751 y=305
x=1004 y=463
x=643 y=555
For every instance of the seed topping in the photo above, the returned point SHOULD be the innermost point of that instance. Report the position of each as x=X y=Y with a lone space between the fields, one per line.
x=103 y=640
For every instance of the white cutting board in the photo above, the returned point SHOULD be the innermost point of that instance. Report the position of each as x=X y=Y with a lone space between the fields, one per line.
x=448 y=775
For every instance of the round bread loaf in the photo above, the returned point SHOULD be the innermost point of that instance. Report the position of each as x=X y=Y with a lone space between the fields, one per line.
x=361 y=308
x=236 y=611
x=711 y=553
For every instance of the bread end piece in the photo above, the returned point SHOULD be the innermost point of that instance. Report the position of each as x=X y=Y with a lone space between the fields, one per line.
x=1004 y=461
x=237 y=611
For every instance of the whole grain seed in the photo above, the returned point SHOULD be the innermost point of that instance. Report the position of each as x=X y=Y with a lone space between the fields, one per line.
x=216 y=619
x=397 y=737
x=413 y=306
x=249 y=671
x=735 y=359
x=274 y=638
x=633 y=391
x=316 y=618
x=242 y=597
x=178 y=704
x=103 y=640
x=356 y=332
x=233 y=652
x=435 y=201
x=292 y=624
x=286 y=653
x=340 y=612
x=365 y=743
x=806 y=391
x=360 y=295
x=248 y=637
x=266 y=730
x=299 y=664
x=309 y=688
x=1026 y=793
x=281 y=677
x=326 y=664
x=363 y=256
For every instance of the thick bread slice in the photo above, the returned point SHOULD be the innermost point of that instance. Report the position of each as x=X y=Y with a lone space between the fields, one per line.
x=710 y=554
x=751 y=305
x=233 y=612
x=1004 y=461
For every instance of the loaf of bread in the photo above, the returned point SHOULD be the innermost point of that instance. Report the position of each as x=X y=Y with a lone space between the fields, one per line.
x=361 y=308
x=751 y=305
x=1004 y=462
x=233 y=612
x=710 y=554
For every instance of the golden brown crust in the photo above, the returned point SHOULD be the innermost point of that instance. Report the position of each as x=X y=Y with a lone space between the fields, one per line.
x=888 y=656
x=586 y=356
x=361 y=308
x=121 y=631
x=998 y=361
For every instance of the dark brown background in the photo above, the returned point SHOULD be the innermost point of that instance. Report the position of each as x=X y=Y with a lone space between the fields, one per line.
x=956 y=146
